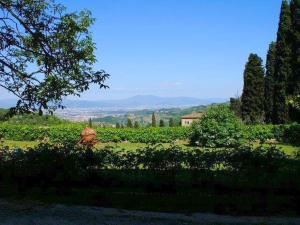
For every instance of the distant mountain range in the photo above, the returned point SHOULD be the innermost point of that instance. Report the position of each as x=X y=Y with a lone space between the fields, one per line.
x=143 y=102
x=136 y=102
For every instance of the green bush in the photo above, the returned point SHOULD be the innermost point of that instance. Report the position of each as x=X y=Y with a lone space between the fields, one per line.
x=292 y=134
x=224 y=177
x=45 y=157
x=218 y=127
x=282 y=133
x=264 y=132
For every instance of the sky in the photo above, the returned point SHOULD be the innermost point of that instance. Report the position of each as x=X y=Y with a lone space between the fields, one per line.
x=170 y=48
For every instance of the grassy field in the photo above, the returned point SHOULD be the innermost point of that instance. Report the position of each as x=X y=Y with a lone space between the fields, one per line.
x=288 y=149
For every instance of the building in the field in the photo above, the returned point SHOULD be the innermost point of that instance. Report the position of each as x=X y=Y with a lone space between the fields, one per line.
x=187 y=120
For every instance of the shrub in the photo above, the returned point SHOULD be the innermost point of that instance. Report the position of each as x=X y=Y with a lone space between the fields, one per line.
x=73 y=159
x=219 y=127
x=267 y=159
x=292 y=134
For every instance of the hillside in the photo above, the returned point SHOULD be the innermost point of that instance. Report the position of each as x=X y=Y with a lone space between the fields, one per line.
x=144 y=116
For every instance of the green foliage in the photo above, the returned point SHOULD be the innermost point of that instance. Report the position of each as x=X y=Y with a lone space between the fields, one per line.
x=156 y=157
x=35 y=119
x=295 y=102
x=71 y=132
x=292 y=134
x=294 y=106
x=161 y=123
x=49 y=54
x=136 y=124
x=153 y=120
x=283 y=68
x=269 y=83
x=90 y=123
x=253 y=92
x=236 y=106
x=265 y=133
x=129 y=123
x=218 y=127
x=172 y=122
x=295 y=79
x=159 y=174
x=268 y=159
x=283 y=133
x=3 y=114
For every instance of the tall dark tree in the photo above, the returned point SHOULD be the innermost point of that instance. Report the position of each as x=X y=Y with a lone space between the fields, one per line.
x=45 y=53
x=253 y=92
x=129 y=123
x=161 y=123
x=90 y=123
x=136 y=124
x=295 y=16
x=269 y=83
x=283 y=68
x=294 y=81
x=118 y=125
x=153 y=120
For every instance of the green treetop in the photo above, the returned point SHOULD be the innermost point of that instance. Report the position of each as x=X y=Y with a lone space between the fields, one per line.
x=161 y=123
x=283 y=68
x=153 y=120
x=129 y=123
x=253 y=92
x=269 y=82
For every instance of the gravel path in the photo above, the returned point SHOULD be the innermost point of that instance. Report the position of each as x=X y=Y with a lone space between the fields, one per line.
x=16 y=213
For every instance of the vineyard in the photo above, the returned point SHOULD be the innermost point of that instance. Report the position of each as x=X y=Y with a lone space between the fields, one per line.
x=70 y=132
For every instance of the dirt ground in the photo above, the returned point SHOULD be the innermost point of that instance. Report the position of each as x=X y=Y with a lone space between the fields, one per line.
x=31 y=213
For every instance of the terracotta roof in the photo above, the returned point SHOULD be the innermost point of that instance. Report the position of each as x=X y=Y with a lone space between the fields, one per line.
x=194 y=115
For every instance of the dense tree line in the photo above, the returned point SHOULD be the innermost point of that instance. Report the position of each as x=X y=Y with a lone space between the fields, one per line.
x=268 y=91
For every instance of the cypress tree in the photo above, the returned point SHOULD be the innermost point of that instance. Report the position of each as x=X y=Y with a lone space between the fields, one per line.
x=282 y=65
x=295 y=17
x=153 y=120
x=294 y=81
x=171 y=122
x=129 y=123
x=136 y=124
x=253 y=91
x=118 y=125
x=161 y=123
x=90 y=123
x=269 y=82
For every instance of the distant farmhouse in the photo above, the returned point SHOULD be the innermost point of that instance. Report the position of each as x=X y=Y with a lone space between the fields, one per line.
x=187 y=120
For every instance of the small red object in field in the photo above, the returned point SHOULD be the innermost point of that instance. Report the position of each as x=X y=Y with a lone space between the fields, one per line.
x=88 y=137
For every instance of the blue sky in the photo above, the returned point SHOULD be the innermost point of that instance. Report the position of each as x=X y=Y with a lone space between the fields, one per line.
x=194 y=48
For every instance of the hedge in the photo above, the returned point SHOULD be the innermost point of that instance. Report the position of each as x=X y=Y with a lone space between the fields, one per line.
x=72 y=132
x=58 y=133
